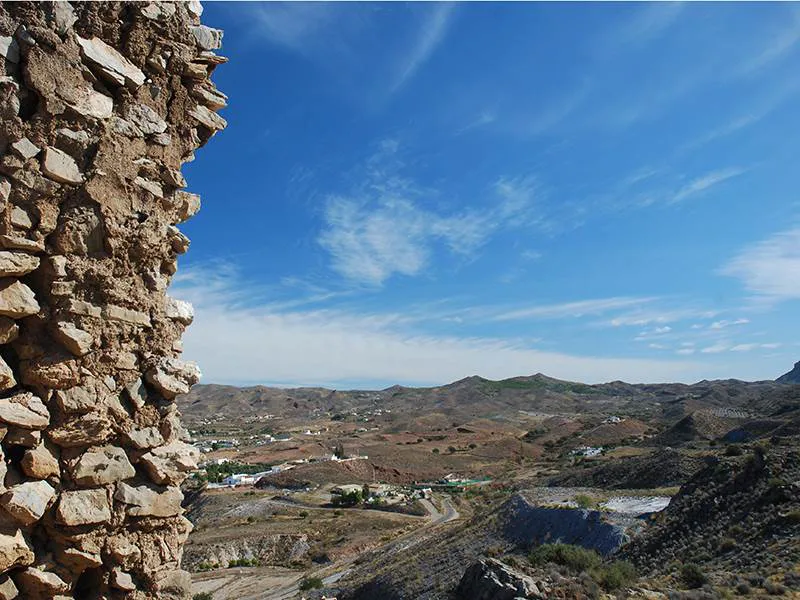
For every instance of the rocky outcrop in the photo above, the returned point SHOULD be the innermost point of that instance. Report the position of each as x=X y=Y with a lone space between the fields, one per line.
x=792 y=376
x=490 y=579
x=100 y=105
x=278 y=549
x=527 y=524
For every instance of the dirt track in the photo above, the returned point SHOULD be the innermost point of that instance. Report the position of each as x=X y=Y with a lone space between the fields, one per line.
x=276 y=583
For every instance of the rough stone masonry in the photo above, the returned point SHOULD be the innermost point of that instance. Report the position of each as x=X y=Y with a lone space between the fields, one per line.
x=100 y=105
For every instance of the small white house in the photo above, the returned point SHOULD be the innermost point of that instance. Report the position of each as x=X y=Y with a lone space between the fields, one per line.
x=239 y=479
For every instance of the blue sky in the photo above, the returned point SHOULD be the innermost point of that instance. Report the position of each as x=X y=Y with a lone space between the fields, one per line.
x=415 y=193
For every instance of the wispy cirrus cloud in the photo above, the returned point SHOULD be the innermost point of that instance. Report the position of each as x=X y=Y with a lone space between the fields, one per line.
x=580 y=308
x=705 y=182
x=433 y=28
x=777 y=46
x=770 y=268
x=645 y=22
x=383 y=227
x=340 y=37
x=304 y=27
x=728 y=323
x=659 y=317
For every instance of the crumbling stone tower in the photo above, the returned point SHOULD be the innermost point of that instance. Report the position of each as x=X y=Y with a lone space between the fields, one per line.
x=100 y=105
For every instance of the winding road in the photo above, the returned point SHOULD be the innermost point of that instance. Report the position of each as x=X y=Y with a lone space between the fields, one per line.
x=249 y=584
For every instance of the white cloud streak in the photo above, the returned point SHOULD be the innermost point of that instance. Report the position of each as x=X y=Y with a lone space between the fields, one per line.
x=706 y=182
x=769 y=268
x=777 y=47
x=238 y=342
x=430 y=35
x=728 y=323
x=580 y=308
x=647 y=22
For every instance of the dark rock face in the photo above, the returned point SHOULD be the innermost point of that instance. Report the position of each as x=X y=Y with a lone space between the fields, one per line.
x=527 y=525
x=792 y=376
x=489 y=579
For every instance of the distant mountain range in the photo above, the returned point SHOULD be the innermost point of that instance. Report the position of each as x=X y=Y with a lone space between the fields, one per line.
x=476 y=397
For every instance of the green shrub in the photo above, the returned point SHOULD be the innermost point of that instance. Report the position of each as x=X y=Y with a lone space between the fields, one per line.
x=733 y=450
x=726 y=544
x=435 y=451
x=203 y=596
x=494 y=550
x=311 y=583
x=615 y=575
x=574 y=558
x=348 y=499
x=243 y=562
x=793 y=517
x=693 y=576
x=584 y=501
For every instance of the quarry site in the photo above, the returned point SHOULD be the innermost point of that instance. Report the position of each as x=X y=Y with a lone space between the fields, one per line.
x=123 y=477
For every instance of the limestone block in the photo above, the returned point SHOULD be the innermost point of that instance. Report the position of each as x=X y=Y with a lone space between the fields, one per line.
x=17 y=264
x=9 y=330
x=25 y=410
x=126 y=315
x=25 y=148
x=60 y=166
x=170 y=464
x=76 y=340
x=63 y=15
x=145 y=119
x=76 y=400
x=110 y=64
x=27 y=502
x=144 y=438
x=36 y=583
x=8 y=591
x=172 y=376
x=15 y=242
x=179 y=310
x=136 y=393
x=122 y=580
x=14 y=550
x=150 y=186
x=20 y=219
x=90 y=103
x=17 y=299
x=85 y=430
x=7 y=379
x=40 y=462
x=208 y=118
x=78 y=560
x=99 y=466
x=83 y=507
x=207 y=38
x=149 y=501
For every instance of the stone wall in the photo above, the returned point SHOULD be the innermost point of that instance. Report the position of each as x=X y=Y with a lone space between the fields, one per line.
x=100 y=105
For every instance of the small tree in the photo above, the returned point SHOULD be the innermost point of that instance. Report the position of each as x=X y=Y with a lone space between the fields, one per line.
x=311 y=583
x=693 y=576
